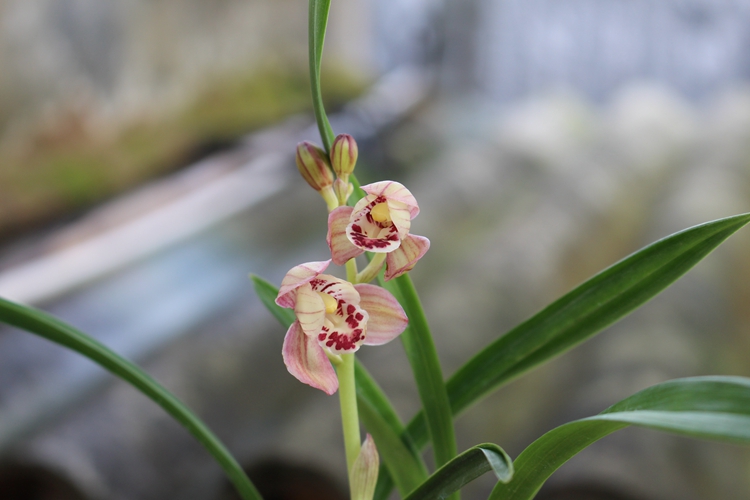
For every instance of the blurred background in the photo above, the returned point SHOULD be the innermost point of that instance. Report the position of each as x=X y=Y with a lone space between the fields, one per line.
x=146 y=167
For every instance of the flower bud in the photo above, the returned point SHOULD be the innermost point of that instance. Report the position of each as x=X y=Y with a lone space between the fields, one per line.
x=344 y=155
x=312 y=163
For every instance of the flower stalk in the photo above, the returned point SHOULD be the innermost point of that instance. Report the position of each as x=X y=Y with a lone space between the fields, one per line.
x=349 y=413
x=370 y=272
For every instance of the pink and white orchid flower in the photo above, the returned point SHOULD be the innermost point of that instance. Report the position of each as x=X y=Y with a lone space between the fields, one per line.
x=333 y=317
x=379 y=223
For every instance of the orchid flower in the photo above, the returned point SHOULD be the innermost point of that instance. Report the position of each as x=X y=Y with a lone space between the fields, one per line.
x=379 y=223
x=333 y=317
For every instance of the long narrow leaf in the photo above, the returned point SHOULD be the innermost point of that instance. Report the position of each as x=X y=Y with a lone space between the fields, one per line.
x=581 y=313
x=370 y=391
x=422 y=355
x=318 y=21
x=52 y=329
x=716 y=408
x=463 y=469
x=400 y=458
x=404 y=469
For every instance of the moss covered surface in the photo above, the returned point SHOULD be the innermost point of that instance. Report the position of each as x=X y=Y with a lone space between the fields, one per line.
x=63 y=168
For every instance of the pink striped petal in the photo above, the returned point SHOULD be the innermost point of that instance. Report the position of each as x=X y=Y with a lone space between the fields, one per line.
x=400 y=217
x=387 y=317
x=310 y=310
x=341 y=248
x=307 y=361
x=394 y=191
x=364 y=474
x=404 y=258
x=295 y=278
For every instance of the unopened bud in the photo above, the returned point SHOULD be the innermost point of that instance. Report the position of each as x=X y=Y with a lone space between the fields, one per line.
x=312 y=163
x=343 y=190
x=344 y=155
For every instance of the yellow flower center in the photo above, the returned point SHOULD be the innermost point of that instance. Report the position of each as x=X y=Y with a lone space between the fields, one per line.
x=380 y=213
x=329 y=302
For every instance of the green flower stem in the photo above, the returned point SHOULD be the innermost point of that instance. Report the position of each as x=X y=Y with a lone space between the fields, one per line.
x=370 y=272
x=318 y=21
x=351 y=271
x=332 y=201
x=349 y=414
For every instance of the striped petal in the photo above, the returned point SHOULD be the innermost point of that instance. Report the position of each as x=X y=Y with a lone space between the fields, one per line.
x=341 y=248
x=387 y=317
x=394 y=191
x=310 y=310
x=307 y=361
x=405 y=257
x=400 y=217
x=295 y=278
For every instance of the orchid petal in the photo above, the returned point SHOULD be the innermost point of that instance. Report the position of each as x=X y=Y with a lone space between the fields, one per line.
x=341 y=248
x=387 y=317
x=363 y=202
x=341 y=290
x=295 y=278
x=364 y=474
x=307 y=361
x=400 y=217
x=403 y=259
x=310 y=310
x=394 y=191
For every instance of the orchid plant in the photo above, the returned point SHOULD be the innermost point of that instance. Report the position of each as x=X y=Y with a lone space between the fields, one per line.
x=329 y=318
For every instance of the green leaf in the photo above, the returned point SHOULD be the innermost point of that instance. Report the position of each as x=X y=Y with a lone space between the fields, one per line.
x=44 y=325
x=463 y=469
x=368 y=390
x=267 y=294
x=425 y=364
x=581 y=313
x=716 y=408
x=404 y=465
x=318 y=21
x=400 y=458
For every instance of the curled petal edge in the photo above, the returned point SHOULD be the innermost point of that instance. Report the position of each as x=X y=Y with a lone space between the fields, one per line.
x=387 y=318
x=405 y=257
x=394 y=191
x=307 y=361
x=295 y=278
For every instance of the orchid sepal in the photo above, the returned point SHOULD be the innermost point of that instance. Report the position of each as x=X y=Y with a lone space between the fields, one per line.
x=341 y=248
x=405 y=257
x=387 y=318
x=307 y=361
